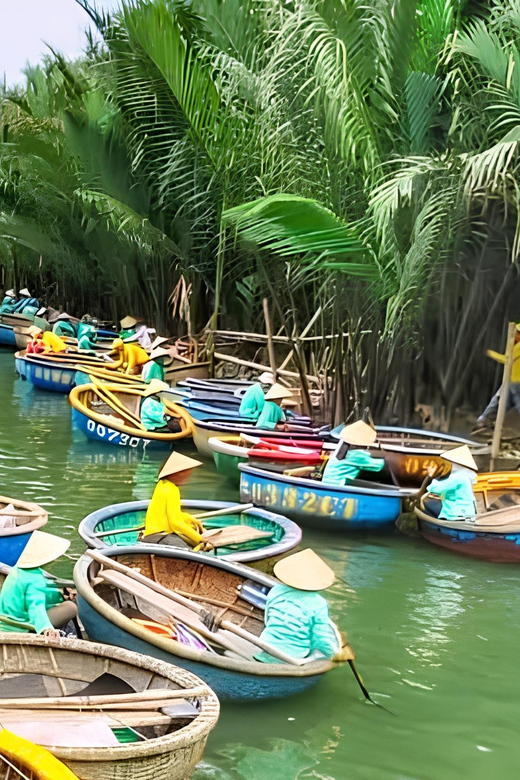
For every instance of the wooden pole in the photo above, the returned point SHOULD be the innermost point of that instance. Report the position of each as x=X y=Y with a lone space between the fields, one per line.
x=269 y=332
x=504 y=393
x=260 y=366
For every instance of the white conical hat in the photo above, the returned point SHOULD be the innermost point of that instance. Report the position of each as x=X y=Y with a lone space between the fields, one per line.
x=128 y=322
x=266 y=378
x=42 y=548
x=158 y=340
x=461 y=456
x=155 y=386
x=11 y=293
x=358 y=433
x=34 y=330
x=277 y=392
x=26 y=292
x=178 y=462
x=158 y=353
x=305 y=571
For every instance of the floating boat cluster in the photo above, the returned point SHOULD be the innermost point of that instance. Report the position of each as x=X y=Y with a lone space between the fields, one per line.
x=202 y=613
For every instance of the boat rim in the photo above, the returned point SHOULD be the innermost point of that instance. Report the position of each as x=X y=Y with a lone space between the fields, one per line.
x=292 y=535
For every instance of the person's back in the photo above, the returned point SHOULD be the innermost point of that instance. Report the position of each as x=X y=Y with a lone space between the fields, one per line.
x=456 y=493
x=153 y=414
x=64 y=328
x=25 y=596
x=253 y=402
x=9 y=303
x=52 y=342
x=342 y=471
x=298 y=623
x=270 y=416
x=152 y=370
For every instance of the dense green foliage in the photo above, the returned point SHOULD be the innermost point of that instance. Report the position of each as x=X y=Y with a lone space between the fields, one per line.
x=356 y=157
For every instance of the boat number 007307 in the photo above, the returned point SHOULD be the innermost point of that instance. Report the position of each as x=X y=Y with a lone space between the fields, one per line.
x=108 y=433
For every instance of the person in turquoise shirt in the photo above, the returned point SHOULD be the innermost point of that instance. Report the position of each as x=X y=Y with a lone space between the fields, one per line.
x=9 y=302
x=272 y=414
x=457 y=499
x=297 y=620
x=28 y=597
x=62 y=326
x=127 y=325
x=345 y=463
x=154 y=369
x=253 y=400
x=87 y=339
x=154 y=414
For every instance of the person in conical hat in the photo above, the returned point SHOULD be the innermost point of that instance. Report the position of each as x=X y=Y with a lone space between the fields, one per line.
x=352 y=456
x=272 y=414
x=154 y=414
x=30 y=598
x=297 y=619
x=165 y=521
x=513 y=396
x=154 y=369
x=8 y=303
x=455 y=491
x=26 y=304
x=62 y=325
x=253 y=400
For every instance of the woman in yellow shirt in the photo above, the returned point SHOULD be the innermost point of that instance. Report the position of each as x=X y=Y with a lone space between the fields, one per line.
x=165 y=521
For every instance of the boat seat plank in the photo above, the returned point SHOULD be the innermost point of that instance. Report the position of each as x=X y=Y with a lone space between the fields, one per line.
x=94 y=734
x=181 y=709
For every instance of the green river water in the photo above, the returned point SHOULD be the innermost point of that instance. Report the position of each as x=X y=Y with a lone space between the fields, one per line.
x=437 y=636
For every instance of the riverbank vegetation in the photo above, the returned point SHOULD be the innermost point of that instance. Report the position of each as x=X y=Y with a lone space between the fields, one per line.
x=355 y=159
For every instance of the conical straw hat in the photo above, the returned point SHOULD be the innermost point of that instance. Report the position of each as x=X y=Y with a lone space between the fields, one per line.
x=305 y=571
x=358 y=433
x=158 y=353
x=25 y=292
x=155 y=386
x=461 y=456
x=128 y=322
x=178 y=462
x=11 y=293
x=277 y=392
x=42 y=548
x=266 y=378
x=158 y=340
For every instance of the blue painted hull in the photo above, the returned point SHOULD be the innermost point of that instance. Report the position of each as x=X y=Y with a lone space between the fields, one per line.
x=227 y=684
x=308 y=502
x=102 y=433
x=11 y=547
x=7 y=336
x=50 y=377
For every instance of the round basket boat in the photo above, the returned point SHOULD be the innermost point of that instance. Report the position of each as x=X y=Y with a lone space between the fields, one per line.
x=122 y=426
x=121 y=524
x=60 y=675
x=17 y=525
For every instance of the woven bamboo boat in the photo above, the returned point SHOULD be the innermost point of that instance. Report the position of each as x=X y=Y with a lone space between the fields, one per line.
x=229 y=592
x=20 y=758
x=14 y=534
x=494 y=534
x=121 y=524
x=122 y=427
x=107 y=713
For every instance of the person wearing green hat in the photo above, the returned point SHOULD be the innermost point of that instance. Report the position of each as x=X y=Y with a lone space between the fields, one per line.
x=154 y=368
x=29 y=597
x=513 y=399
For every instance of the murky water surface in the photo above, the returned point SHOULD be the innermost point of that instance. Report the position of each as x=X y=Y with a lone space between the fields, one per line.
x=437 y=636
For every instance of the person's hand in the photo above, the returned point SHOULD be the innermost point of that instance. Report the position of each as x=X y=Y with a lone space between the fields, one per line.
x=345 y=654
x=431 y=470
x=52 y=633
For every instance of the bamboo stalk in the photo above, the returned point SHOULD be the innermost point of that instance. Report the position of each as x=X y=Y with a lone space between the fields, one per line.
x=504 y=393
x=274 y=651
x=269 y=332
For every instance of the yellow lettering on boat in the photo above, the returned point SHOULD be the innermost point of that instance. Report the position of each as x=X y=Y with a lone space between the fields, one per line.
x=349 y=508
x=309 y=502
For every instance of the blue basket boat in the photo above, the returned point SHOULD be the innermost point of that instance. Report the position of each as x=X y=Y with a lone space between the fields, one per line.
x=121 y=524
x=7 y=336
x=232 y=592
x=360 y=506
x=121 y=427
x=18 y=519
x=46 y=374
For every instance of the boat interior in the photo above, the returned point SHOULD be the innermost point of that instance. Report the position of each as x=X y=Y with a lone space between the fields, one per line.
x=211 y=596
x=34 y=678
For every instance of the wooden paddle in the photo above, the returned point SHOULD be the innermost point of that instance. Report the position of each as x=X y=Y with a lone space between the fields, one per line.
x=119 y=699
x=235 y=509
x=234 y=534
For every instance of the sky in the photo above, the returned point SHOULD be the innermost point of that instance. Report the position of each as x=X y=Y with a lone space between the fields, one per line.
x=27 y=25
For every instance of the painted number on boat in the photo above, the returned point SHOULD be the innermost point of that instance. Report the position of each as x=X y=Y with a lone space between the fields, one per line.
x=289 y=497
x=110 y=435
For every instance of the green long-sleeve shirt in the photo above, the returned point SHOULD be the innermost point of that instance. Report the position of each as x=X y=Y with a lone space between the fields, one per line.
x=26 y=596
x=152 y=414
x=152 y=370
x=339 y=472
x=270 y=416
x=298 y=623
x=253 y=402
